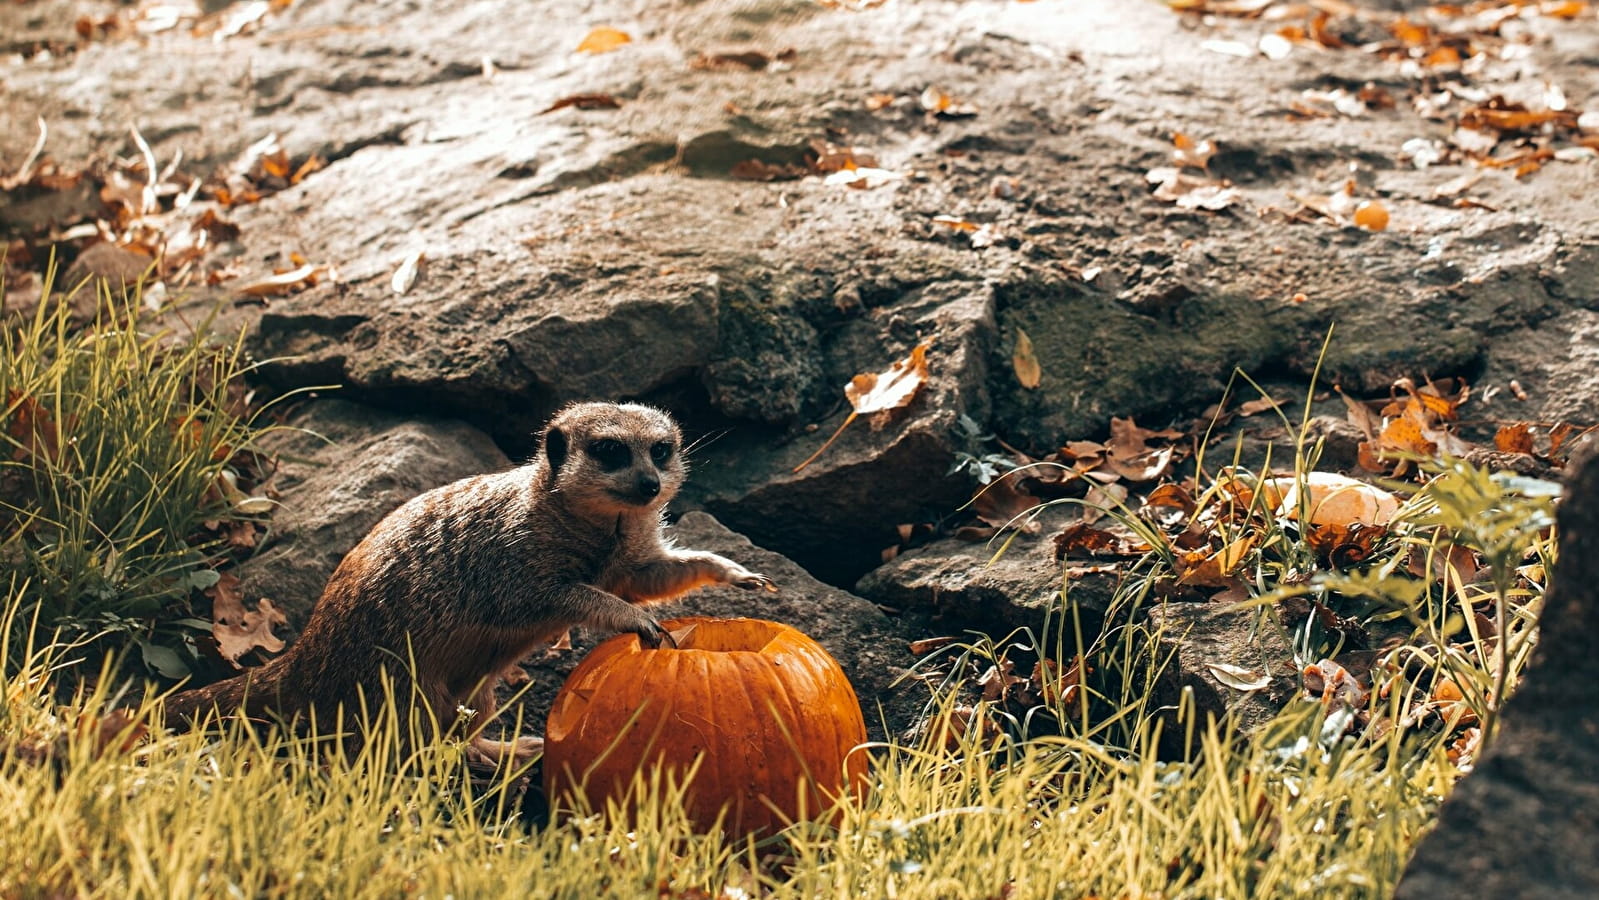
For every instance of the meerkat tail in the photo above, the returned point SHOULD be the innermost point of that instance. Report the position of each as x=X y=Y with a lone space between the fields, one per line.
x=251 y=694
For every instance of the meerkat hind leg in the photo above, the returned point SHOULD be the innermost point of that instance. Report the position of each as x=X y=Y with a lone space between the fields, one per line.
x=488 y=753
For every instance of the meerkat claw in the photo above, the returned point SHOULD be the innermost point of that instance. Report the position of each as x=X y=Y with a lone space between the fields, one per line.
x=754 y=581
x=654 y=636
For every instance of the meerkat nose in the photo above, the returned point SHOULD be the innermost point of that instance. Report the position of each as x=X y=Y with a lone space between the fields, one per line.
x=649 y=485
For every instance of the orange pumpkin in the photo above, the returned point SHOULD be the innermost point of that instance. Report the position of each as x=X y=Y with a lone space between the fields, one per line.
x=765 y=713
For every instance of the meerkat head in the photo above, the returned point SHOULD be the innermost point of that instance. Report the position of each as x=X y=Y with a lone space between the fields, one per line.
x=613 y=458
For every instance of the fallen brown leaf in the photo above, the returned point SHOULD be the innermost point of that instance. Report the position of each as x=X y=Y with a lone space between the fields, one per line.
x=880 y=392
x=306 y=275
x=1002 y=501
x=238 y=630
x=584 y=101
x=405 y=276
x=1025 y=362
x=1192 y=192
x=1516 y=438
x=1209 y=568
x=603 y=40
x=1083 y=538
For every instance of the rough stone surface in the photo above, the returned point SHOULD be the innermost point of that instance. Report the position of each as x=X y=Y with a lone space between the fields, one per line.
x=1197 y=635
x=342 y=468
x=589 y=253
x=1522 y=824
x=961 y=585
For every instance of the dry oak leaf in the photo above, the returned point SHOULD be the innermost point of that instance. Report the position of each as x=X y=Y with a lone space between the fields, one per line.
x=1002 y=501
x=1255 y=407
x=1191 y=192
x=1344 y=546
x=1214 y=569
x=880 y=392
x=1146 y=466
x=238 y=630
x=32 y=428
x=1102 y=497
x=1082 y=538
x=306 y=275
x=1237 y=677
x=1416 y=423
x=1054 y=686
x=1129 y=439
x=405 y=276
x=1129 y=456
x=998 y=680
x=1172 y=496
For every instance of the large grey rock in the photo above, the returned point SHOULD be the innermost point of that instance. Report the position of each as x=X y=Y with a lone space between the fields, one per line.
x=1196 y=636
x=342 y=468
x=1523 y=823
x=963 y=586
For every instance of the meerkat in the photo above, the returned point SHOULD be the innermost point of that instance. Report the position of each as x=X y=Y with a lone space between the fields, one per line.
x=460 y=583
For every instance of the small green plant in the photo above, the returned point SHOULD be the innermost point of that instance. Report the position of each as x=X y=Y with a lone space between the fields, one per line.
x=119 y=439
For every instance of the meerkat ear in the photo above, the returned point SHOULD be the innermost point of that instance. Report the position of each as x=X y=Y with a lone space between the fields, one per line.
x=555 y=446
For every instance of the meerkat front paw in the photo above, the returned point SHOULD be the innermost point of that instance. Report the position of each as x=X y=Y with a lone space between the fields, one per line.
x=652 y=635
x=752 y=581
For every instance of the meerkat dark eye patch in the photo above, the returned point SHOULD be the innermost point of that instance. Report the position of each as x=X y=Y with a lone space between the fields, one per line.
x=610 y=454
x=661 y=451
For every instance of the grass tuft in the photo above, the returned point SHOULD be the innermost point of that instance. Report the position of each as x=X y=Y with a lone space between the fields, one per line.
x=119 y=440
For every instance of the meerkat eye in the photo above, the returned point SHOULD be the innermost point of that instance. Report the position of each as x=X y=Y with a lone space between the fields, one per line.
x=610 y=454
x=661 y=451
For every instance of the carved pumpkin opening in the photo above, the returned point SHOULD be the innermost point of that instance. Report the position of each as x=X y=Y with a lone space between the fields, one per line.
x=760 y=714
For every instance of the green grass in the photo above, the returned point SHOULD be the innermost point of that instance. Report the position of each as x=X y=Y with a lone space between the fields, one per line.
x=1324 y=801
x=119 y=441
